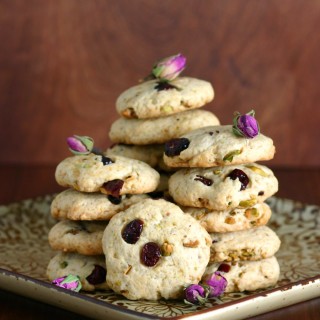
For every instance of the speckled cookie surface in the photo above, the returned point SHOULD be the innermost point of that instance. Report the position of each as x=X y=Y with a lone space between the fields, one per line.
x=160 y=130
x=231 y=220
x=92 y=173
x=145 y=101
x=74 y=205
x=252 y=244
x=85 y=267
x=83 y=237
x=183 y=248
x=223 y=188
x=248 y=275
x=218 y=145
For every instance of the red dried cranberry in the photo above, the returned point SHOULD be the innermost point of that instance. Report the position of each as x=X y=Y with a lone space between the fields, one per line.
x=132 y=231
x=98 y=275
x=106 y=160
x=114 y=200
x=204 y=180
x=239 y=174
x=224 y=267
x=175 y=146
x=113 y=187
x=150 y=254
x=164 y=85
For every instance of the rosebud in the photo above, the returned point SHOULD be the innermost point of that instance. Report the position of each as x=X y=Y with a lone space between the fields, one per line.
x=195 y=294
x=80 y=144
x=169 y=68
x=69 y=282
x=245 y=125
x=217 y=284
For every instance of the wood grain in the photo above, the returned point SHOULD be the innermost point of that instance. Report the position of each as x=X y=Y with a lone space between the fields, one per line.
x=64 y=62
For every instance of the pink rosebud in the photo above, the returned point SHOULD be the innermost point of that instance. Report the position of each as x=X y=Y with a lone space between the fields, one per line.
x=195 y=294
x=217 y=284
x=245 y=125
x=69 y=282
x=169 y=68
x=80 y=144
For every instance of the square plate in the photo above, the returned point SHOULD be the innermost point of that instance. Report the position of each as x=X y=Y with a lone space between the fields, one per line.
x=25 y=253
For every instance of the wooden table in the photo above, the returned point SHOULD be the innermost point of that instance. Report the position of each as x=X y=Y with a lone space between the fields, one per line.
x=21 y=182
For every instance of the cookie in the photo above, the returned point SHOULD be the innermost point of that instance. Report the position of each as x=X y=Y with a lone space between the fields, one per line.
x=83 y=237
x=247 y=275
x=218 y=146
x=159 y=130
x=231 y=220
x=252 y=244
x=223 y=188
x=90 y=269
x=153 y=250
x=151 y=99
x=115 y=175
x=74 y=205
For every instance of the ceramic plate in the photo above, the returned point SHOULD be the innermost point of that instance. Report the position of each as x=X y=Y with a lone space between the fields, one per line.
x=25 y=252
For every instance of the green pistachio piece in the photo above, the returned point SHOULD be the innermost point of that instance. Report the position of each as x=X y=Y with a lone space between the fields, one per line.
x=229 y=156
x=248 y=203
x=166 y=109
x=257 y=170
x=216 y=172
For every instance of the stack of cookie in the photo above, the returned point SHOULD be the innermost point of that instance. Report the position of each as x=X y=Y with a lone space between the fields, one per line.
x=99 y=187
x=224 y=189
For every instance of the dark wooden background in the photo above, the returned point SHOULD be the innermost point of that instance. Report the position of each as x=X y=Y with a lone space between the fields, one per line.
x=64 y=62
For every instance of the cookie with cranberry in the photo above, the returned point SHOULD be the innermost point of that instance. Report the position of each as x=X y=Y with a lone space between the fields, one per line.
x=231 y=220
x=153 y=250
x=217 y=146
x=83 y=237
x=159 y=130
x=223 y=188
x=74 y=205
x=152 y=99
x=247 y=275
x=114 y=175
x=252 y=244
x=90 y=269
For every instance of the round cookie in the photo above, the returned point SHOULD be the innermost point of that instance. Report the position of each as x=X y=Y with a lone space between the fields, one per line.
x=223 y=188
x=90 y=269
x=153 y=250
x=218 y=145
x=159 y=130
x=252 y=244
x=83 y=237
x=74 y=205
x=231 y=220
x=115 y=175
x=147 y=100
x=247 y=275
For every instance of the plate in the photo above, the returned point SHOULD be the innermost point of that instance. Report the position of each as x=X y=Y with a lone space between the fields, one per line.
x=25 y=252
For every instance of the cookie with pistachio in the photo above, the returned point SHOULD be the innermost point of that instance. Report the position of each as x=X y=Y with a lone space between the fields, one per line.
x=223 y=188
x=90 y=269
x=252 y=244
x=217 y=146
x=153 y=250
x=231 y=220
x=247 y=275
x=83 y=237
x=152 y=98
x=112 y=175
x=159 y=130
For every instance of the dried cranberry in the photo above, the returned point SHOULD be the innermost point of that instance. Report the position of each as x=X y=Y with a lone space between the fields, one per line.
x=239 y=174
x=204 y=180
x=98 y=275
x=175 y=146
x=132 y=231
x=113 y=187
x=261 y=193
x=114 y=200
x=150 y=254
x=106 y=160
x=224 y=267
x=163 y=85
